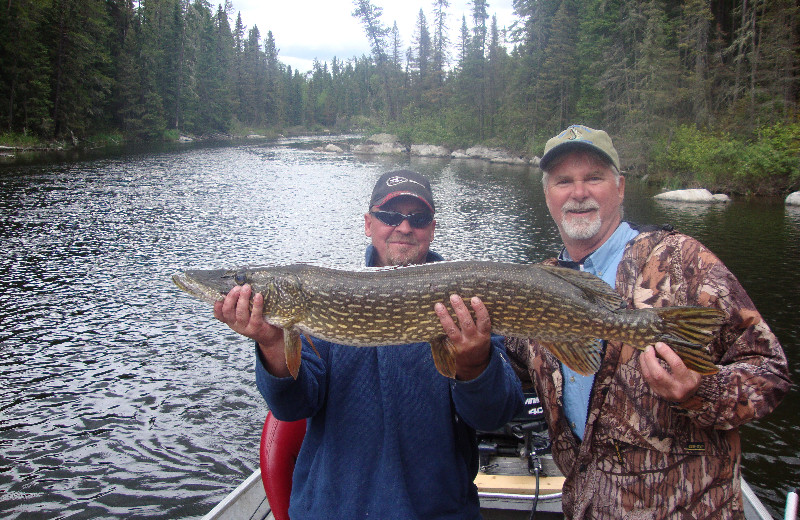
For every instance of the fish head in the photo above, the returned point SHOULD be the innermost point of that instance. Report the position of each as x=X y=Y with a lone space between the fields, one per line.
x=281 y=288
x=285 y=302
x=283 y=293
x=207 y=285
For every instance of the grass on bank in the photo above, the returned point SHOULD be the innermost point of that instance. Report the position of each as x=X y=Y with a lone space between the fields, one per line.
x=16 y=140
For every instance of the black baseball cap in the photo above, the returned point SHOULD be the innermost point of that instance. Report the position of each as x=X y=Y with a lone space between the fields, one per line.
x=399 y=183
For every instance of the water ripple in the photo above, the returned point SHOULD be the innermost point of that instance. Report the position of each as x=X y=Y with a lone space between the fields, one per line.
x=123 y=398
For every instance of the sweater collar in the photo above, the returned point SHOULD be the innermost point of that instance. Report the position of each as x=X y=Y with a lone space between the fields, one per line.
x=371 y=257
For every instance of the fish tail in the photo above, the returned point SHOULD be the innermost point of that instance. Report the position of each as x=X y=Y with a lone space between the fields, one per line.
x=687 y=330
x=443 y=356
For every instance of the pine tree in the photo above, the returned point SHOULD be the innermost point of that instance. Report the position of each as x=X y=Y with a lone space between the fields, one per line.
x=274 y=104
x=24 y=68
x=694 y=45
x=78 y=34
x=377 y=33
x=440 y=41
x=420 y=62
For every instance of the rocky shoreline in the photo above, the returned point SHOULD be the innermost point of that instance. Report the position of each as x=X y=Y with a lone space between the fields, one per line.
x=388 y=144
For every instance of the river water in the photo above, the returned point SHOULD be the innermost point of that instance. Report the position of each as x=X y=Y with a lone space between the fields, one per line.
x=120 y=397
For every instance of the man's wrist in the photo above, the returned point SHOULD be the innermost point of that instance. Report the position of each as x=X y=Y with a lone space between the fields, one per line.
x=473 y=371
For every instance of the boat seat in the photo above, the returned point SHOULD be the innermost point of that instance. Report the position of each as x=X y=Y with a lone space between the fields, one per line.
x=280 y=444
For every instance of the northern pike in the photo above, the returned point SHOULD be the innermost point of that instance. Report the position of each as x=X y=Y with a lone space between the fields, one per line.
x=563 y=309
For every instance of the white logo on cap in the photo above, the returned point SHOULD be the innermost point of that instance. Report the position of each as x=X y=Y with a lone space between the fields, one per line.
x=397 y=179
x=575 y=134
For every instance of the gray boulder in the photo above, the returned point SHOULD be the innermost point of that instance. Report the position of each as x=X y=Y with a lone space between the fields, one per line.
x=330 y=147
x=429 y=150
x=393 y=148
x=793 y=199
x=693 y=195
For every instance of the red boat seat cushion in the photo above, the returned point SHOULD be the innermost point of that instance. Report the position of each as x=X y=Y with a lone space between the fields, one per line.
x=280 y=444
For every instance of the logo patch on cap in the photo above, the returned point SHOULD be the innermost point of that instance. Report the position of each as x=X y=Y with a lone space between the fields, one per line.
x=397 y=179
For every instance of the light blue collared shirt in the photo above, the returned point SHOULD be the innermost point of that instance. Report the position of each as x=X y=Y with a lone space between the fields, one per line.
x=602 y=263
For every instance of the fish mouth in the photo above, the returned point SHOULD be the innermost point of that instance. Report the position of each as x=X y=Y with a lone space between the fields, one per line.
x=179 y=279
x=197 y=288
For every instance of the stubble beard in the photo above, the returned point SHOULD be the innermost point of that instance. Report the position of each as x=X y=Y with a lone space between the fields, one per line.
x=580 y=227
x=403 y=256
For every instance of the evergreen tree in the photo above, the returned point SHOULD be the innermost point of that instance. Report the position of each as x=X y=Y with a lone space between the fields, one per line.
x=377 y=33
x=441 y=42
x=420 y=62
x=79 y=37
x=242 y=73
x=274 y=106
x=694 y=46
x=555 y=92
x=463 y=43
x=496 y=77
x=24 y=68
x=175 y=64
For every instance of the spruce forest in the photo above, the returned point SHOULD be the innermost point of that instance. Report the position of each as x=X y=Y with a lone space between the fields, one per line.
x=700 y=92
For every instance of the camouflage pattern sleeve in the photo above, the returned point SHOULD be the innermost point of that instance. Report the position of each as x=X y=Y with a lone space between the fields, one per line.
x=753 y=376
x=519 y=355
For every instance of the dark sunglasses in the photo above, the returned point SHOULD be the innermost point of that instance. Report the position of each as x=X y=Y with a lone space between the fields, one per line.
x=394 y=219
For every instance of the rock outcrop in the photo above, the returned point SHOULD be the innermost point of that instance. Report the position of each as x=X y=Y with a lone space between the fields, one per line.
x=793 y=199
x=693 y=195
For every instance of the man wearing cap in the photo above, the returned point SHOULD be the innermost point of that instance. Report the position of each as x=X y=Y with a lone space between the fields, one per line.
x=645 y=437
x=387 y=436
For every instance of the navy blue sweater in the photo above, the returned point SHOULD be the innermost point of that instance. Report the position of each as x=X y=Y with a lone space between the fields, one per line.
x=388 y=437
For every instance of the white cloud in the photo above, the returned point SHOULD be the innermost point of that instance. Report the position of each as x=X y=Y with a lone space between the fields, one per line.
x=307 y=29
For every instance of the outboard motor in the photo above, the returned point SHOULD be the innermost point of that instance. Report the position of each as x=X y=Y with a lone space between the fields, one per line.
x=520 y=442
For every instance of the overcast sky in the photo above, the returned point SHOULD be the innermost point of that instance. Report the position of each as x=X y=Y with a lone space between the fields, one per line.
x=321 y=29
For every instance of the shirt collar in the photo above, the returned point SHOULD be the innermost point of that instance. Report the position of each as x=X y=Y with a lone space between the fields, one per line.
x=602 y=258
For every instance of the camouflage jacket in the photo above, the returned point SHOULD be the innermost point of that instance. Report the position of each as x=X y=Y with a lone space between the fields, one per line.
x=644 y=457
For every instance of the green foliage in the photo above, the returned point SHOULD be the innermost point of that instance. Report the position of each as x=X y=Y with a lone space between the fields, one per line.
x=719 y=160
x=16 y=140
x=171 y=135
x=776 y=152
x=707 y=95
x=413 y=127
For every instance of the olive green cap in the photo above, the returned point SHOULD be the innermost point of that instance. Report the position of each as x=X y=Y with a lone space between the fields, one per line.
x=579 y=137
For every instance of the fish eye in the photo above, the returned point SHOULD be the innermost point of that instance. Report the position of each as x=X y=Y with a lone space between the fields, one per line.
x=240 y=278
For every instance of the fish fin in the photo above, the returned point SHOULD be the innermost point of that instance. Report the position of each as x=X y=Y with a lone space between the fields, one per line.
x=311 y=342
x=292 y=347
x=582 y=355
x=443 y=356
x=687 y=330
x=596 y=290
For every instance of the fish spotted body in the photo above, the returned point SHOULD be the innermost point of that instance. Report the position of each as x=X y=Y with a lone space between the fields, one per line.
x=563 y=309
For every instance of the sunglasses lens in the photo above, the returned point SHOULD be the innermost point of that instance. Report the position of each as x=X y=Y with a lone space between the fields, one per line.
x=420 y=220
x=390 y=218
x=394 y=219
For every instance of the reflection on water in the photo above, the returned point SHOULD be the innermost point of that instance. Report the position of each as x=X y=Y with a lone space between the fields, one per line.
x=689 y=211
x=121 y=397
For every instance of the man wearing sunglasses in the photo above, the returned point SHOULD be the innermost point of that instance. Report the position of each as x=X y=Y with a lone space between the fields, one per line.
x=387 y=436
x=400 y=221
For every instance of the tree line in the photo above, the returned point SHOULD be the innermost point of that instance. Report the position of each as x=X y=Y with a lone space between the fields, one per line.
x=653 y=71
